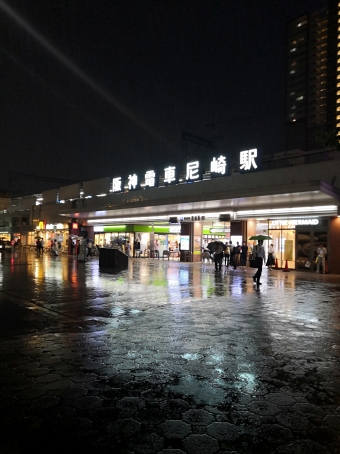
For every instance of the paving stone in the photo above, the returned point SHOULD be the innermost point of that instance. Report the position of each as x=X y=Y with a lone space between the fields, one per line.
x=198 y=417
x=275 y=434
x=71 y=393
x=223 y=431
x=49 y=378
x=175 y=429
x=130 y=404
x=124 y=427
x=200 y=444
x=44 y=402
x=147 y=444
x=261 y=407
x=87 y=402
x=280 y=399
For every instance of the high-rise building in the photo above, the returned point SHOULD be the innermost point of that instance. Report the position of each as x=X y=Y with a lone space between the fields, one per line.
x=313 y=77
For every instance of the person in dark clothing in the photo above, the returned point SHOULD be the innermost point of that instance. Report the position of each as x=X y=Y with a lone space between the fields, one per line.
x=244 y=253
x=233 y=251
x=218 y=257
x=259 y=255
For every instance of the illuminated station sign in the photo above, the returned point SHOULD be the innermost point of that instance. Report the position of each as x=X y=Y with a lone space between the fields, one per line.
x=219 y=167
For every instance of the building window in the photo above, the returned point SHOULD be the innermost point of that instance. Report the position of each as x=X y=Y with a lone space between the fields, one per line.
x=300 y=98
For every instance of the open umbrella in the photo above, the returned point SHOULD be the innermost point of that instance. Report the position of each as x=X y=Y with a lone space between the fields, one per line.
x=216 y=246
x=260 y=237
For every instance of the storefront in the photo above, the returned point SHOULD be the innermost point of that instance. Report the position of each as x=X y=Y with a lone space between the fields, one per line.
x=49 y=232
x=295 y=241
x=150 y=238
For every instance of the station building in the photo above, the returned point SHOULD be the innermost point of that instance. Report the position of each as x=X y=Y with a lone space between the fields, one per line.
x=292 y=197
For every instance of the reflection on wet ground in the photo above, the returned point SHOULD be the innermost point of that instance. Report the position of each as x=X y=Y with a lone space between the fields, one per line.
x=167 y=357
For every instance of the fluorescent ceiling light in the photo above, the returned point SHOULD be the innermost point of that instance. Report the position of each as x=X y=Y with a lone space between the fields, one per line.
x=295 y=210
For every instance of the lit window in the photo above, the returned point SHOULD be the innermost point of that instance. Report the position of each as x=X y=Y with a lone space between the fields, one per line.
x=338 y=117
x=338 y=109
x=292 y=93
x=293 y=71
x=294 y=48
x=299 y=98
x=338 y=85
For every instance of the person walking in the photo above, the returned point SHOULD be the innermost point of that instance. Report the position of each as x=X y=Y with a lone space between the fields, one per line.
x=37 y=245
x=127 y=248
x=271 y=257
x=89 y=248
x=42 y=244
x=233 y=252
x=226 y=255
x=322 y=252
x=218 y=257
x=244 y=255
x=259 y=256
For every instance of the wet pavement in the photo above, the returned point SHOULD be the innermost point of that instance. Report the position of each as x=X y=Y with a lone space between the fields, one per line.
x=166 y=357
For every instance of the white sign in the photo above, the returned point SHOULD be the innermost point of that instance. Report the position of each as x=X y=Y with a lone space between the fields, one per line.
x=219 y=165
x=150 y=178
x=117 y=184
x=133 y=181
x=192 y=170
x=170 y=175
x=248 y=159
x=54 y=226
x=305 y=222
x=175 y=229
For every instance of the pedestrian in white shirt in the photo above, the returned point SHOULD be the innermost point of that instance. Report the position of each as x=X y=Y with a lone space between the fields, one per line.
x=322 y=252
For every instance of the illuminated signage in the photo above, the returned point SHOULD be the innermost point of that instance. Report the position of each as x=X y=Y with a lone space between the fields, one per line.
x=218 y=166
x=170 y=175
x=150 y=179
x=249 y=160
x=193 y=171
x=305 y=222
x=175 y=229
x=58 y=226
x=117 y=184
x=133 y=183
x=219 y=230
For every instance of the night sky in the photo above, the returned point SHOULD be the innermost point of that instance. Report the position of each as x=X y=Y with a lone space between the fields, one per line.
x=93 y=88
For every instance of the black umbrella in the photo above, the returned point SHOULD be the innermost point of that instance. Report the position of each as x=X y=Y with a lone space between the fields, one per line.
x=216 y=246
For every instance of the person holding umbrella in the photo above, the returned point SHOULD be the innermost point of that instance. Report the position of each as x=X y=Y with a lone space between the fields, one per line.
x=216 y=247
x=259 y=256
